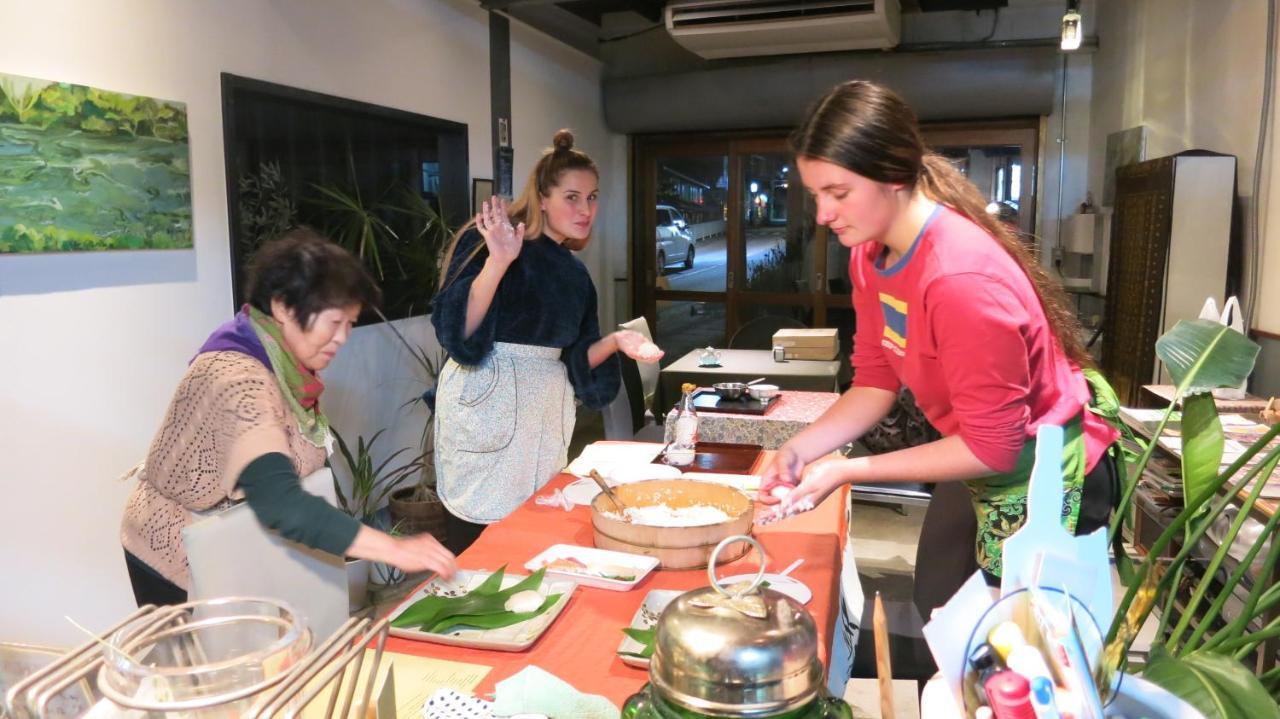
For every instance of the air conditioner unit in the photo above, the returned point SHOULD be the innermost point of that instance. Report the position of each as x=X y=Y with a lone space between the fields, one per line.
x=739 y=28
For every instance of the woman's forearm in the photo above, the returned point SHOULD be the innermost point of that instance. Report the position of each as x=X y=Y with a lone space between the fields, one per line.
x=944 y=460
x=849 y=418
x=480 y=297
x=601 y=350
x=372 y=544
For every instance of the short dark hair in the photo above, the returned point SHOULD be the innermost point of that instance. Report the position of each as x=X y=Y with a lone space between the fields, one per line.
x=308 y=273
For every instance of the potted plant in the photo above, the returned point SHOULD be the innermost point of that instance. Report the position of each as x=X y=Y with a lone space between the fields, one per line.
x=1198 y=655
x=371 y=484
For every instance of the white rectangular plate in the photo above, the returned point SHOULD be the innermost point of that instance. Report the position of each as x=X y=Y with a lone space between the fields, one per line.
x=646 y=617
x=514 y=638
x=593 y=557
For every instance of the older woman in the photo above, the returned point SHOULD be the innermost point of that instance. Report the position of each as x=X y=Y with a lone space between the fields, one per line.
x=245 y=423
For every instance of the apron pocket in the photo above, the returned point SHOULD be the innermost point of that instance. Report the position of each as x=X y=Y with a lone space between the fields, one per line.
x=483 y=417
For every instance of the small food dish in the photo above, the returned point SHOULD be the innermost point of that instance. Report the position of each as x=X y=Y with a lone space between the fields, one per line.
x=592 y=567
x=514 y=638
x=729 y=390
x=763 y=392
x=581 y=491
x=779 y=583
x=646 y=619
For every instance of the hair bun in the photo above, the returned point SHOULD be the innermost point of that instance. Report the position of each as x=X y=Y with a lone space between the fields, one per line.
x=563 y=141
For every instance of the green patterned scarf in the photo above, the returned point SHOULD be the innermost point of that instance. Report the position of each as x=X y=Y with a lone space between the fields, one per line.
x=300 y=386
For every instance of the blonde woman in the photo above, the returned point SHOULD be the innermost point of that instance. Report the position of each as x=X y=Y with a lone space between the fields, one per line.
x=517 y=314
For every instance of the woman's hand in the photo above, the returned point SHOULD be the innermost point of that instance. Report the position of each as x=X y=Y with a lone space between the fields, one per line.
x=421 y=552
x=781 y=476
x=819 y=480
x=503 y=240
x=416 y=553
x=637 y=346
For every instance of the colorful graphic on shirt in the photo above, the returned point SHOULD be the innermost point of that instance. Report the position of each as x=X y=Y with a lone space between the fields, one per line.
x=895 y=323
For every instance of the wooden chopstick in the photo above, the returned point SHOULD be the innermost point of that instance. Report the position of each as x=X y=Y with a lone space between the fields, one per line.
x=884 y=667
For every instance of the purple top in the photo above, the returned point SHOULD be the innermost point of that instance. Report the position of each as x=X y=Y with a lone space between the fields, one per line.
x=236 y=335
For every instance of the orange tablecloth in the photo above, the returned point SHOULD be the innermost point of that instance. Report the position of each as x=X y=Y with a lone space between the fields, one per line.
x=579 y=646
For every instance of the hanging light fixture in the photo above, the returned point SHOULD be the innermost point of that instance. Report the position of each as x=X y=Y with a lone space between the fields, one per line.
x=1072 y=28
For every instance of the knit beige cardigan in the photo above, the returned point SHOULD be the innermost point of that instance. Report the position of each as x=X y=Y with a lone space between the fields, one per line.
x=228 y=411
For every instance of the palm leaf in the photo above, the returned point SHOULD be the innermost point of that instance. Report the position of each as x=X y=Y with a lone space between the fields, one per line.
x=1201 y=445
x=1219 y=686
x=1202 y=355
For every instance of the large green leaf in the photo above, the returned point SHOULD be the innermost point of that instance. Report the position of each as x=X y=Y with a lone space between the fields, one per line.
x=1219 y=686
x=493 y=621
x=1202 y=355
x=434 y=611
x=1201 y=446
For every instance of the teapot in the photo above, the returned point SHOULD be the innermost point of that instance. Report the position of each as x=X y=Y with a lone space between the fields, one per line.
x=739 y=651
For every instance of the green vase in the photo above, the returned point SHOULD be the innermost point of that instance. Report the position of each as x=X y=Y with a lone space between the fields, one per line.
x=649 y=704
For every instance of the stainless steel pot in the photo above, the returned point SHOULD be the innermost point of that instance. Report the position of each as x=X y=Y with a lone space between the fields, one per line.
x=730 y=390
x=739 y=651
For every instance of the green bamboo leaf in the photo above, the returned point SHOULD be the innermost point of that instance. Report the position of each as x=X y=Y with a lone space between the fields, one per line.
x=487 y=598
x=645 y=637
x=493 y=621
x=1201 y=446
x=1202 y=355
x=1217 y=685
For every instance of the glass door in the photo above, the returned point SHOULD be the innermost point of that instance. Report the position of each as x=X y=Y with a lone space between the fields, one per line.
x=733 y=241
x=684 y=220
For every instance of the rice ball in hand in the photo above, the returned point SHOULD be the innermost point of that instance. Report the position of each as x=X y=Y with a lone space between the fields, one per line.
x=650 y=350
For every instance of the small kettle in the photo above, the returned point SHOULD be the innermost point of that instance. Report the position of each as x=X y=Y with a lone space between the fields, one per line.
x=737 y=651
x=709 y=357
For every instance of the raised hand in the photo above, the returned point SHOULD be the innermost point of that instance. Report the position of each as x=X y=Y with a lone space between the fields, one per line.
x=503 y=240
x=637 y=346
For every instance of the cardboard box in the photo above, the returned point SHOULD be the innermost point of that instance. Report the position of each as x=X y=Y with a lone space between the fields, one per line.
x=808 y=344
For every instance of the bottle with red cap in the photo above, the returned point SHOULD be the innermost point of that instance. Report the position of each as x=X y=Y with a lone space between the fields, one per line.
x=1009 y=695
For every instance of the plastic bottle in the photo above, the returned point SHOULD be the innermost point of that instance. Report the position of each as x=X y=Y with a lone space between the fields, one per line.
x=686 y=434
x=1009 y=695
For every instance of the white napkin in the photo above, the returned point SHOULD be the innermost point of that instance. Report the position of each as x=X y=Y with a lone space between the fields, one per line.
x=603 y=456
x=534 y=690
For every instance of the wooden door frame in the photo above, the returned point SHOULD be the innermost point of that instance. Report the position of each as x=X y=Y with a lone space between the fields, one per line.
x=1024 y=132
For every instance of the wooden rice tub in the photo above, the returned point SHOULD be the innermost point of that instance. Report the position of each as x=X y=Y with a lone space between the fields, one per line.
x=674 y=547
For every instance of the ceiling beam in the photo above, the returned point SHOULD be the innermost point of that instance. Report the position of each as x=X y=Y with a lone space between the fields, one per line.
x=559 y=23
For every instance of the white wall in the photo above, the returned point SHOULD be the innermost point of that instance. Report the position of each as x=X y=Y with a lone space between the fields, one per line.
x=1192 y=73
x=94 y=344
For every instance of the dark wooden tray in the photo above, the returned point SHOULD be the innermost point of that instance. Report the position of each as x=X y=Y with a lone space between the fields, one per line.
x=723 y=458
x=706 y=400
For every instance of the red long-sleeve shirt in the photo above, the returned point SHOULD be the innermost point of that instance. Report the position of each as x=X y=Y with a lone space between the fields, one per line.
x=957 y=321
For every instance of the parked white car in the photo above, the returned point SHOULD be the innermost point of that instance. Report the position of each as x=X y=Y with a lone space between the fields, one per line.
x=675 y=241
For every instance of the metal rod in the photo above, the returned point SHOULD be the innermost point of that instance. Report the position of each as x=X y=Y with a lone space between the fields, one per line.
x=268 y=704
x=11 y=696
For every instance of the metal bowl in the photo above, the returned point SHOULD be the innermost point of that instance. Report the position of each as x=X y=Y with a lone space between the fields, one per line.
x=730 y=390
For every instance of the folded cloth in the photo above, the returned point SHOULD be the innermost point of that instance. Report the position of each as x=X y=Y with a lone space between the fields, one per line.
x=452 y=704
x=535 y=691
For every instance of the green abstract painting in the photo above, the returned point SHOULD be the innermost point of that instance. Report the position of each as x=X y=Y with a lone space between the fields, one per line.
x=88 y=169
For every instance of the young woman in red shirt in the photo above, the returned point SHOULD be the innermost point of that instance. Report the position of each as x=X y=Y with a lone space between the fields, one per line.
x=951 y=304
